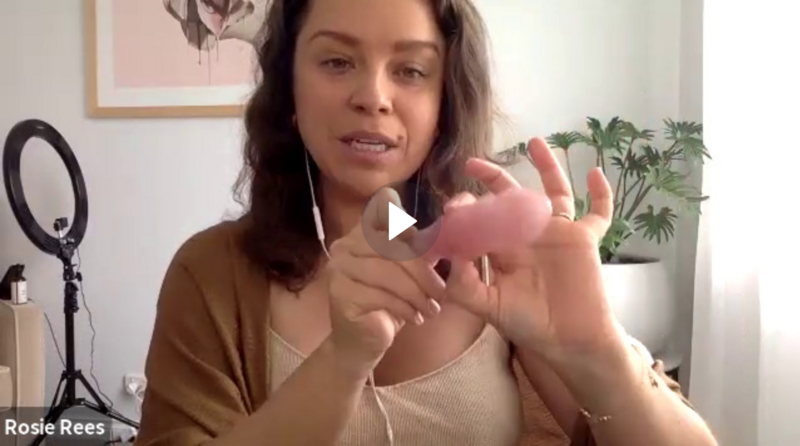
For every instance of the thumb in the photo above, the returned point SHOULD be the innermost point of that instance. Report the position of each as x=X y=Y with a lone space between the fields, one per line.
x=428 y=239
x=376 y=213
x=465 y=288
x=375 y=225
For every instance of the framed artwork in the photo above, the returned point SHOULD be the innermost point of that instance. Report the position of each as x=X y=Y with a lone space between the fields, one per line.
x=171 y=58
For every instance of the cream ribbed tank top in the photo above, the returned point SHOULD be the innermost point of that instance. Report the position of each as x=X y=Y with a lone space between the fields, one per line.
x=471 y=401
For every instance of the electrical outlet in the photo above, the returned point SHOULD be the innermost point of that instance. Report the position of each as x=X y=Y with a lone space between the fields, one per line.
x=122 y=434
x=133 y=383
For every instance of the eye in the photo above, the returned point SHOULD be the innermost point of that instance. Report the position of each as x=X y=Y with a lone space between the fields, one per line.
x=337 y=64
x=412 y=73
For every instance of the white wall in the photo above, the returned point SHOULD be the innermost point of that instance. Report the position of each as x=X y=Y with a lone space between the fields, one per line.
x=691 y=109
x=154 y=182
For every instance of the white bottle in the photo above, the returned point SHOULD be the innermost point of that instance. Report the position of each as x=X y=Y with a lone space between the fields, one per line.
x=19 y=291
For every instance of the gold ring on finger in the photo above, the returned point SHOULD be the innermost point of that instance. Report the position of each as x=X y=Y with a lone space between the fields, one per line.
x=563 y=215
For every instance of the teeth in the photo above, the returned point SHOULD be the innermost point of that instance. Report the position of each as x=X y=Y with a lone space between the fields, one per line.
x=368 y=146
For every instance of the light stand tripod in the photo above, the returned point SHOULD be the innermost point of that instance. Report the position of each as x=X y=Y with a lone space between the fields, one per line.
x=71 y=376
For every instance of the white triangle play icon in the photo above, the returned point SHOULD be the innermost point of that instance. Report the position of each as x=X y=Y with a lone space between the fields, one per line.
x=399 y=221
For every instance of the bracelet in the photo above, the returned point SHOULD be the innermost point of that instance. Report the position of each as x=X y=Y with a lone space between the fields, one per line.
x=592 y=419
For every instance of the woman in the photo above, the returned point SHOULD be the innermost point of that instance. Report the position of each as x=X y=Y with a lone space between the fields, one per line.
x=261 y=338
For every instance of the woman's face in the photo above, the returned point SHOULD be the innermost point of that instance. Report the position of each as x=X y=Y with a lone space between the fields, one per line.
x=367 y=88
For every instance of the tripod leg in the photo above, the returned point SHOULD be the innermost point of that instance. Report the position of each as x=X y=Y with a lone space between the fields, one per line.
x=113 y=414
x=99 y=402
x=53 y=416
x=58 y=390
x=100 y=407
x=58 y=404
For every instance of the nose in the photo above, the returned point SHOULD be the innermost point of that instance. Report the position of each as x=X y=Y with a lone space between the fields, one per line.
x=372 y=94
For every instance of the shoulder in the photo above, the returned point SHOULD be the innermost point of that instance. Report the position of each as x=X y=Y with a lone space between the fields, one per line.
x=213 y=266
x=215 y=252
x=211 y=246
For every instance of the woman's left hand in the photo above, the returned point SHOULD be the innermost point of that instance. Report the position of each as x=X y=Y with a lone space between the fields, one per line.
x=547 y=297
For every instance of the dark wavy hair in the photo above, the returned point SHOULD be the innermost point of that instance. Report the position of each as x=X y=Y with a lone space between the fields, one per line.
x=280 y=236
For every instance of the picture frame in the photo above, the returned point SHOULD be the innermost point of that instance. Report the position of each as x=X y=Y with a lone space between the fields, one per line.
x=170 y=58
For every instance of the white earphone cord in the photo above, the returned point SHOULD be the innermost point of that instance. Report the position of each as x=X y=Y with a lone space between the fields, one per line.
x=315 y=210
x=321 y=237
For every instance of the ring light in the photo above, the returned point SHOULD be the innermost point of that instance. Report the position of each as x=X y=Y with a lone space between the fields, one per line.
x=12 y=156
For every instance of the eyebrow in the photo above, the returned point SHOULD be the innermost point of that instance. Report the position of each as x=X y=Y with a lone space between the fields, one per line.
x=399 y=46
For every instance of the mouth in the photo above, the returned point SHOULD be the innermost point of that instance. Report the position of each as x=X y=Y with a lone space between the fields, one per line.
x=369 y=142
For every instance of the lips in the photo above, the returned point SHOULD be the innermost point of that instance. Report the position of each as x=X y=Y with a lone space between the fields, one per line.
x=369 y=141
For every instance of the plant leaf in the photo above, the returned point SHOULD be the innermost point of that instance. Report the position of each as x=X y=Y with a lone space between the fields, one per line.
x=637 y=165
x=651 y=157
x=674 y=186
x=630 y=133
x=564 y=140
x=594 y=125
x=660 y=226
x=619 y=231
x=602 y=138
x=512 y=154
x=580 y=208
x=688 y=139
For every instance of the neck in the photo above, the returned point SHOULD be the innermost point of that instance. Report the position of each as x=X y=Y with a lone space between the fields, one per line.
x=341 y=212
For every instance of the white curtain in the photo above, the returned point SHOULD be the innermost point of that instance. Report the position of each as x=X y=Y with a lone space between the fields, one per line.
x=745 y=363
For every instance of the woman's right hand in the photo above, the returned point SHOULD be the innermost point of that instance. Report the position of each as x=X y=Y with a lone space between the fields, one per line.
x=371 y=297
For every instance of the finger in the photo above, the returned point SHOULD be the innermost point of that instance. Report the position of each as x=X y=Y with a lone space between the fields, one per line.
x=395 y=279
x=461 y=199
x=602 y=210
x=375 y=223
x=376 y=212
x=420 y=270
x=427 y=240
x=465 y=288
x=368 y=299
x=425 y=276
x=490 y=174
x=554 y=180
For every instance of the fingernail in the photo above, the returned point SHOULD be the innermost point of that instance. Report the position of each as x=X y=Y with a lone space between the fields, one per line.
x=435 y=308
x=418 y=319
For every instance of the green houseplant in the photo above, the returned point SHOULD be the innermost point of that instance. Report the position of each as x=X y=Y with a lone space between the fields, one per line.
x=639 y=168
x=642 y=170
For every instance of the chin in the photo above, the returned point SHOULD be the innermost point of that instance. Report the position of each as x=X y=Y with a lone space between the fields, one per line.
x=363 y=183
x=366 y=185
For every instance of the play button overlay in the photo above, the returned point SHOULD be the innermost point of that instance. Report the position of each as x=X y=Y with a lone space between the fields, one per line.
x=399 y=221
x=394 y=215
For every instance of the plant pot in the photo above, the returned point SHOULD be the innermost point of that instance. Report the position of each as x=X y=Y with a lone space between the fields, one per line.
x=641 y=295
